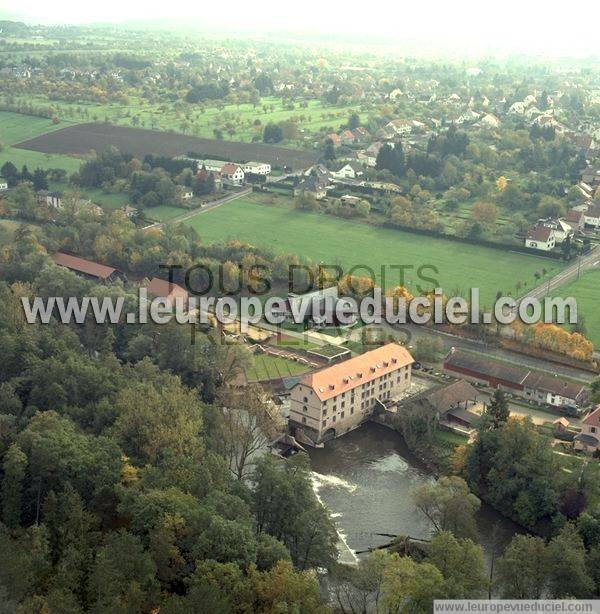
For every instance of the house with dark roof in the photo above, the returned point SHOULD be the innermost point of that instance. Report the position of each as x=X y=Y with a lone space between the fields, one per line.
x=575 y=219
x=87 y=268
x=591 y=176
x=312 y=186
x=592 y=215
x=541 y=388
x=50 y=199
x=589 y=438
x=451 y=403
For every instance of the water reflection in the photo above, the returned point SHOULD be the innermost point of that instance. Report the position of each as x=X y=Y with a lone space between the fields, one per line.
x=366 y=479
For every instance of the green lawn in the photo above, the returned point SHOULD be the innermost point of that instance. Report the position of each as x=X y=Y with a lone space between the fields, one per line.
x=163 y=213
x=586 y=290
x=15 y=128
x=331 y=240
x=271 y=367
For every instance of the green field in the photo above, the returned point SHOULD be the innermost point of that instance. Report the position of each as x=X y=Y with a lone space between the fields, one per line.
x=271 y=367
x=331 y=240
x=586 y=290
x=163 y=213
x=197 y=121
x=15 y=128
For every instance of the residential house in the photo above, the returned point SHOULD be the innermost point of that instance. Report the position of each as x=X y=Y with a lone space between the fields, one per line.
x=589 y=438
x=312 y=186
x=50 y=199
x=232 y=174
x=87 y=268
x=347 y=137
x=211 y=165
x=395 y=93
x=591 y=176
x=257 y=168
x=592 y=215
x=519 y=380
x=450 y=404
x=339 y=398
x=361 y=134
x=575 y=219
x=185 y=193
x=540 y=237
x=400 y=127
x=367 y=159
x=562 y=230
x=489 y=121
x=351 y=170
x=171 y=293
x=368 y=156
x=517 y=108
x=335 y=139
x=387 y=133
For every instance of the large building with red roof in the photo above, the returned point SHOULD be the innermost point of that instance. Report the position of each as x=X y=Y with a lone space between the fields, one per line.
x=337 y=399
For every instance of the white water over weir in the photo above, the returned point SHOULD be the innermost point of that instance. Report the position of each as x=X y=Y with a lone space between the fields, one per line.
x=365 y=479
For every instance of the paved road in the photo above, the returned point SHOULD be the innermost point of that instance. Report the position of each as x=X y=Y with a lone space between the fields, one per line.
x=194 y=212
x=415 y=332
x=588 y=261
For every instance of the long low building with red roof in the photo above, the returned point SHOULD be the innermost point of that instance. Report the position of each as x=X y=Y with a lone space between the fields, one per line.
x=337 y=399
x=89 y=268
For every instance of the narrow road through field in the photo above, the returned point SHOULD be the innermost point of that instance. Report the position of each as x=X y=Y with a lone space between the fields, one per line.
x=588 y=261
x=194 y=212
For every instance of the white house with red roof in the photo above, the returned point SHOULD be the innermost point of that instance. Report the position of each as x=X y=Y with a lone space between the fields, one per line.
x=232 y=173
x=540 y=237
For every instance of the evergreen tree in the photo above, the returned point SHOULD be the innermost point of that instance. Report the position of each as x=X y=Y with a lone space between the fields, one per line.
x=498 y=410
x=14 y=466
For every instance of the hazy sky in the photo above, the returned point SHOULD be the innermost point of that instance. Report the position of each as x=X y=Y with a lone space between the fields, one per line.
x=524 y=25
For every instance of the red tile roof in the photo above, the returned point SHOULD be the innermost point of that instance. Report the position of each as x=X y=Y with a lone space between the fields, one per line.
x=80 y=265
x=163 y=289
x=351 y=373
x=593 y=418
x=539 y=233
x=574 y=216
x=229 y=169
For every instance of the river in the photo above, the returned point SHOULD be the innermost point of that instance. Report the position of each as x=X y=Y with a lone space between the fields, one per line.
x=366 y=478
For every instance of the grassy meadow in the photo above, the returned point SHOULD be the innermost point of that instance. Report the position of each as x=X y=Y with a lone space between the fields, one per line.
x=195 y=120
x=586 y=290
x=15 y=128
x=265 y=366
x=331 y=240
